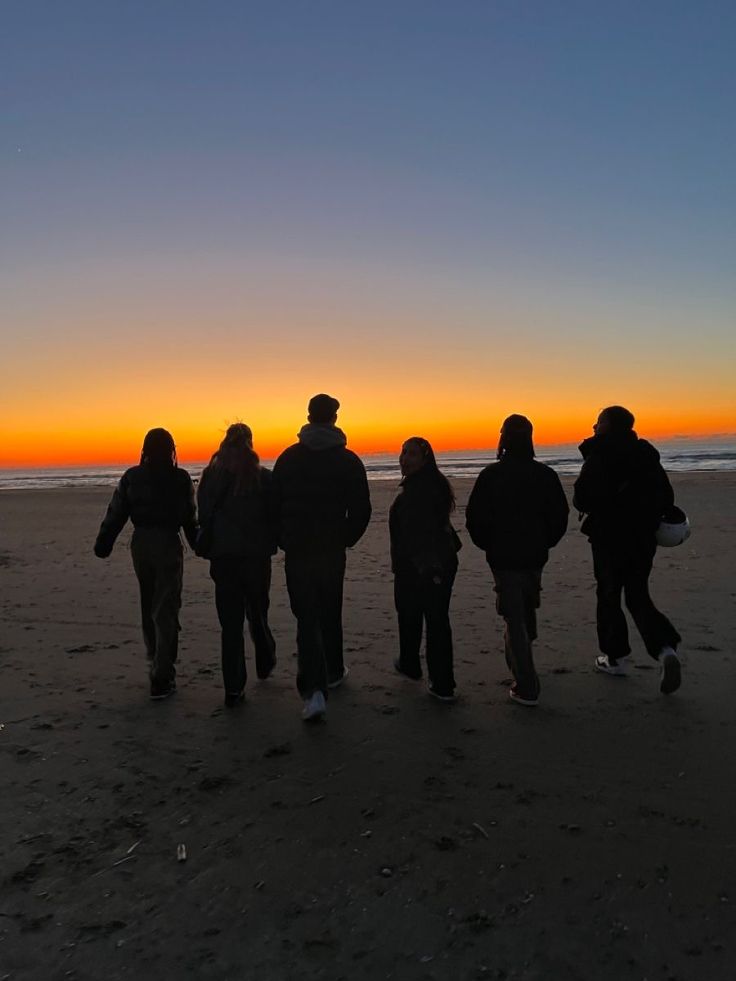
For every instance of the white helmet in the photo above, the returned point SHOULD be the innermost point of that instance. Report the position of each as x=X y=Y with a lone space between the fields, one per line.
x=674 y=528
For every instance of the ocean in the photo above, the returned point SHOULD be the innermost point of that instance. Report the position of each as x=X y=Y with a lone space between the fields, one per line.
x=678 y=455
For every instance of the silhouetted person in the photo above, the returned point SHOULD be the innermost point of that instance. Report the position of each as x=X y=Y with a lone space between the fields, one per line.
x=424 y=549
x=624 y=491
x=517 y=512
x=158 y=497
x=234 y=512
x=322 y=507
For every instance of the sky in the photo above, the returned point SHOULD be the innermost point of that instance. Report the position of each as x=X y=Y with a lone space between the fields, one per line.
x=440 y=213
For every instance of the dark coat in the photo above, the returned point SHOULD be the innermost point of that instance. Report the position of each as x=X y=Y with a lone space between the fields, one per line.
x=517 y=512
x=622 y=488
x=241 y=523
x=419 y=526
x=321 y=499
x=152 y=497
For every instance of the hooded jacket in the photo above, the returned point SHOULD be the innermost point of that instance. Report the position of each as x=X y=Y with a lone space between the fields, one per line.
x=321 y=500
x=517 y=512
x=241 y=523
x=152 y=497
x=622 y=488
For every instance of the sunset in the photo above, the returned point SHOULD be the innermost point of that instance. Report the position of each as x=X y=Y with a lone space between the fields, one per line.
x=441 y=218
x=368 y=458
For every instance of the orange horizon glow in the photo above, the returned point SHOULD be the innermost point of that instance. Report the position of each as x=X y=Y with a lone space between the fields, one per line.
x=79 y=449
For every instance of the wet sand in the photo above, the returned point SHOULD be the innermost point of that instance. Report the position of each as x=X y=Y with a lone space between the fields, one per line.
x=592 y=837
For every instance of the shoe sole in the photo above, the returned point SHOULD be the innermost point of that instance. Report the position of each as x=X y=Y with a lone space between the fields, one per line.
x=616 y=672
x=163 y=695
x=671 y=675
x=313 y=717
x=530 y=702
x=440 y=698
x=405 y=674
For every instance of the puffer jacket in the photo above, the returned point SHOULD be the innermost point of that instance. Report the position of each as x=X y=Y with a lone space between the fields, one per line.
x=622 y=489
x=241 y=523
x=516 y=513
x=152 y=497
x=419 y=525
x=320 y=493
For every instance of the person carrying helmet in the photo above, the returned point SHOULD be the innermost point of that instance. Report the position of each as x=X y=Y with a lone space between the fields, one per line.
x=623 y=490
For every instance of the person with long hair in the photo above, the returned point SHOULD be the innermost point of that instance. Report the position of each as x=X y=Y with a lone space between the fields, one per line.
x=235 y=516
x=516 y=513
x=424 y=548
x=158 y=496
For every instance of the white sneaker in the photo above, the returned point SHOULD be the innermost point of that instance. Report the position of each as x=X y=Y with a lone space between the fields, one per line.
x=670 y=671
x=315 y=707
x=619 y=668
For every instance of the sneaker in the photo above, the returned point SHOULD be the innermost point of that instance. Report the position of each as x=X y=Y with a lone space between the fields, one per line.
x=315 y=707
x=670 y=673
x=618 y=668
x=523 y=699
x=449 y=697
x=406 y=674
x=162 y=691
x=233 y=698
x=338 y=681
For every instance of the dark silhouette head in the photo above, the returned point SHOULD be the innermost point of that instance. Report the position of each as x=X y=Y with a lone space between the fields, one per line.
x=614 y=419
x=516 y=439
x=417 y=456
x=236 y=455
x=322 y=410
x=159 y=449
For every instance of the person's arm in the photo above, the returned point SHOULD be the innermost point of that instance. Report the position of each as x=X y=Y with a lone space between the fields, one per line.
x=358 y=509
x=589 y=488
x=118 y=512
x=556 y=511
x=189 y=515
x=478 y=512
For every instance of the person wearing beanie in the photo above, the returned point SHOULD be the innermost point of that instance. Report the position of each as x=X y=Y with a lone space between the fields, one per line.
x=516 y=513
x=321 y=507
x=158 y=497
x=623 y=490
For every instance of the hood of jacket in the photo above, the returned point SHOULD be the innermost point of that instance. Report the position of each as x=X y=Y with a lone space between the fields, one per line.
x=619 y=446
x=318 y=437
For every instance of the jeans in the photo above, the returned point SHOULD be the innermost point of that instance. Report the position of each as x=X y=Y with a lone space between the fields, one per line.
x=158 y=564
x=420 y=600
x=517 y=600
x=315 y=582
x=242 y=591
x=625 y=568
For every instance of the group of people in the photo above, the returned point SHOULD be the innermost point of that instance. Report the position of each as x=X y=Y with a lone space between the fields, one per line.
x=315 y=504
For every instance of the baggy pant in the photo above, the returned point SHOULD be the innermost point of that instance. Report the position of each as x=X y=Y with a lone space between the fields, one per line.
x=315 y=582
x=242 y=589
x=158 y=564
x=517 y=600
x=420 y=600
x=628 y=569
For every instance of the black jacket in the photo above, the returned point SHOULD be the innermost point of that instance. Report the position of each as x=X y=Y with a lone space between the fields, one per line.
x=419 y=526
x=517 y=512
x=321 y=501
x=622 y=488
x=242 y=523
x=152 y=497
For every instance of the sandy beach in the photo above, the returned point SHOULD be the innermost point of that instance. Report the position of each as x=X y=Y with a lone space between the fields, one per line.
x=592 y=837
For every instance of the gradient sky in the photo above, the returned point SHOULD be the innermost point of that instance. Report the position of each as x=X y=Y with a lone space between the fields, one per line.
x=439 y=212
